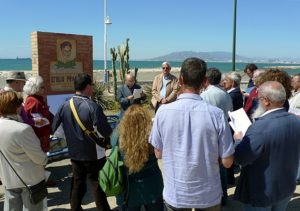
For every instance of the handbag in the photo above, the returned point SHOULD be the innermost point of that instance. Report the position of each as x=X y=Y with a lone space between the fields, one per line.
x=110 y=176
x=36 y=192
x=101 y=141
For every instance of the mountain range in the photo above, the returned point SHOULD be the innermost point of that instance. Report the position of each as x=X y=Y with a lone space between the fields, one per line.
x=221 y=56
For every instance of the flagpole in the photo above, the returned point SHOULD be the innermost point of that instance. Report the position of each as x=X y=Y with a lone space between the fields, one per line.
x=106 y=22
x=234 y=37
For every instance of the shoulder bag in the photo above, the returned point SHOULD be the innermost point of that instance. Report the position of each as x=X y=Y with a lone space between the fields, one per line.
x=36 y=192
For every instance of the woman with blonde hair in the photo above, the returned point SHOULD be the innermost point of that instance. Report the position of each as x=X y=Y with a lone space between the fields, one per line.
x=145 y=183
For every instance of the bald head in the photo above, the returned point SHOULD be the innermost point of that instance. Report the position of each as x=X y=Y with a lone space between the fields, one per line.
x=129 y=80
x=274 y=92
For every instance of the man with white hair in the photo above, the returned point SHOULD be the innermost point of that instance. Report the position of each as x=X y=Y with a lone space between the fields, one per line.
x=164 y=88
x=295 y=99
x=294 y=102
x=269 y=153
x=232 y=83
x=252 y=101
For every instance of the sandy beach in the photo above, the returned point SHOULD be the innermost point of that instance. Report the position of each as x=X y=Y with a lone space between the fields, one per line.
x=145 y=75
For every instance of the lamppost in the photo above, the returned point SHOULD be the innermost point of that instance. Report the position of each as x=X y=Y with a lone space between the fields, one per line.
x=106 y=22
x=234 y=37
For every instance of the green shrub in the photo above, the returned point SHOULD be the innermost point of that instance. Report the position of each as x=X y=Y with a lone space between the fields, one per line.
x=102 y=97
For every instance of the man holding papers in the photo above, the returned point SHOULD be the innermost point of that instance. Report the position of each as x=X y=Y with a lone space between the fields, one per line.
x=129 y=93
x=269 y=153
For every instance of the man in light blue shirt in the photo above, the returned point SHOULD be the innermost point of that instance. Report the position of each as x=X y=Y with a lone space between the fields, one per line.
x=218 y=97
x=191 y=137
x=214 y=94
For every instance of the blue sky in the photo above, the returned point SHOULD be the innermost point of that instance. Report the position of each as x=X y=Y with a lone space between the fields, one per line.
x=269 y=28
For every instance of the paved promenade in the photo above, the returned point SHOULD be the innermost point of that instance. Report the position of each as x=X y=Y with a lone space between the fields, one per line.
x=58 y=198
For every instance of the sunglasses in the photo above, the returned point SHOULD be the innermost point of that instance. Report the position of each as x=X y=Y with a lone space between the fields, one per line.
x=165 y=68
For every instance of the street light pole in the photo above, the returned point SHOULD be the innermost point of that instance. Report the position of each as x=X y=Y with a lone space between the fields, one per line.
x=234 y=36
x=106 y=22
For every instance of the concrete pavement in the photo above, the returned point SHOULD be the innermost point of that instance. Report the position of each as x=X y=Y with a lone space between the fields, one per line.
x=58 y=197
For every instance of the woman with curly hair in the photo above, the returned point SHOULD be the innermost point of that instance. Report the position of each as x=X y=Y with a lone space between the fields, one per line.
x=280 y=76
x=145 y=182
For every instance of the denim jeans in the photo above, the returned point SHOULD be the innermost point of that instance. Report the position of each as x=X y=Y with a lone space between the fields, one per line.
x=158 y=206
x=18 y=199
x=81 y=171
x=213 y=208
x=223 y=174
x=279 y=206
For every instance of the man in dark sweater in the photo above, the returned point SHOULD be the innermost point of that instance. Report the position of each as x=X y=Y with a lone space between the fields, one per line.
x=125 y=93
x=87 y=157
x=269 y=153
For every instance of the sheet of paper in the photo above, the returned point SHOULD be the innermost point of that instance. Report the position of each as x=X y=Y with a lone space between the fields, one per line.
x=239 y=121
x=39 y=120
x=294 y=111
x=137 y=93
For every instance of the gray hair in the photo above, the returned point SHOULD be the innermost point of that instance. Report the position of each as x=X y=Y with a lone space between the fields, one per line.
x=236 y=78
x=273 y=90
x=166 y=63
x=258 y=71
x=33 y=85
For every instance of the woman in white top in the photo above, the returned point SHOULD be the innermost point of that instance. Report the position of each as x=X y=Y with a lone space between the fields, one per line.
x=21 y=147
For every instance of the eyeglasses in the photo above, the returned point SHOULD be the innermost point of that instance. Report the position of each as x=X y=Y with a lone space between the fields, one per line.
x=165 y=68
x=262 y=97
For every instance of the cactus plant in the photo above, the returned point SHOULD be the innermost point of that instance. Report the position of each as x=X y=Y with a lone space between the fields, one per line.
x=135 y=73
x=126 y=55
x=123 y=51
x=114 y=56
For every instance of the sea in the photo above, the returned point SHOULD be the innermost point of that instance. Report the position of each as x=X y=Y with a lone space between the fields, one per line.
x=25 y=65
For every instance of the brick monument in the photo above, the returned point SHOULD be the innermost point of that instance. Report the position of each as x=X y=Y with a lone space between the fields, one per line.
x=59 y=58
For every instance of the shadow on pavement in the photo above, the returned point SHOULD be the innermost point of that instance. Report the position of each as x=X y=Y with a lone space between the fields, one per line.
x=60 y=195
x=63 y=209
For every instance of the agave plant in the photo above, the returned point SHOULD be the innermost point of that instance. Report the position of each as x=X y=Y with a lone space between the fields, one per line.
x=148 y=91
x=101 y=98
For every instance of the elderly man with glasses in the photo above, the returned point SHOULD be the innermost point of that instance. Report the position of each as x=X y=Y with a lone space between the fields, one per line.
x=268 y=153
x=164 y=88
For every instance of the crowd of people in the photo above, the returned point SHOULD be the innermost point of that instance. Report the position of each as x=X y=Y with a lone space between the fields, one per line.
x=190 y=133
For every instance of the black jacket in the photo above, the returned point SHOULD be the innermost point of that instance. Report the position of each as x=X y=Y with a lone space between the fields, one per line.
x=237 y=98
x=91 y=114
x=122 y=94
